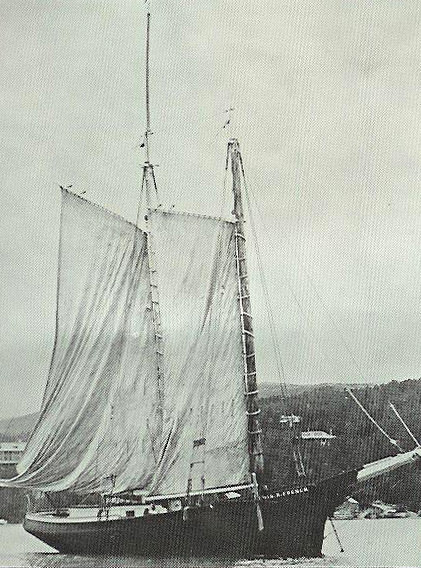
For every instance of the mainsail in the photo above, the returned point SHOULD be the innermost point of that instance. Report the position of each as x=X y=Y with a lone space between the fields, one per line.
x=105 y=425
x=204 y=404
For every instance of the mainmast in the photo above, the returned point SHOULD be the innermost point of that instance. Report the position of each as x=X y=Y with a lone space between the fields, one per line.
x=249 y=360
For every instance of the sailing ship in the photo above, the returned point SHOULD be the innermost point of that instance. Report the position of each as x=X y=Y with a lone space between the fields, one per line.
x=151 y=404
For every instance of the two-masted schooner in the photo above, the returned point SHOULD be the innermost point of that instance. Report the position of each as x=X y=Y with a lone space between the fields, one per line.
x=151 y=408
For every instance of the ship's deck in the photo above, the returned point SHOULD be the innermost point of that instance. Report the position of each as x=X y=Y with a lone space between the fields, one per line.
x=89 y=514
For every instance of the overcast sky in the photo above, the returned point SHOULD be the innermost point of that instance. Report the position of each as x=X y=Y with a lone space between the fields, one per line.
x=328 y=100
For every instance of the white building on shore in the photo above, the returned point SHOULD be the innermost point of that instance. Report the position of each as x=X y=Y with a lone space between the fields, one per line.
x=11 y=452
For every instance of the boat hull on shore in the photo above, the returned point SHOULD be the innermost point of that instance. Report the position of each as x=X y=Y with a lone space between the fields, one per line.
x=293 y=522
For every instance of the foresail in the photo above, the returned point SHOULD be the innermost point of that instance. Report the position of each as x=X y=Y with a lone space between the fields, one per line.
x=204 y=402
x=98 y=428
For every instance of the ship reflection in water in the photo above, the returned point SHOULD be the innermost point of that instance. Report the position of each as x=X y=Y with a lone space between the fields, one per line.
x=73 y=561
x=381 y=542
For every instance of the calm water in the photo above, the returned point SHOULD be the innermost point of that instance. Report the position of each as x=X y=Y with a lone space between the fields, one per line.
x=380 y=543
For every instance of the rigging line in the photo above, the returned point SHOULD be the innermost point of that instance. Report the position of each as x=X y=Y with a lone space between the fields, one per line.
x=288 y=284
x=9 y=423
x=336 y=534
x=338 y=331
x=139 y=207
x=227 y=123
x=148 y=427
x=84 y=499
x=391 y=440
x=278 y=358
x=281 y=371
x=397 y=483
x=392 y=406
x=332 y=321
x=49 y=388
x=224 y=190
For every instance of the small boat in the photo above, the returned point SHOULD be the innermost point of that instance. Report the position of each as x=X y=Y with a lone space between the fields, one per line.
x=151 y=406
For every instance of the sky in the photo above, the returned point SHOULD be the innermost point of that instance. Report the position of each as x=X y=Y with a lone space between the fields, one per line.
x=327 y=99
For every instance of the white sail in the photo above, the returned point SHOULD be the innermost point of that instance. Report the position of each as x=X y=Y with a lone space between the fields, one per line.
x=98 y=425
x=204 y=402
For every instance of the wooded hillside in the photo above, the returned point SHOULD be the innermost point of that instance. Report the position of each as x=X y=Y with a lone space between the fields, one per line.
x=327 y=408
x=358 y=441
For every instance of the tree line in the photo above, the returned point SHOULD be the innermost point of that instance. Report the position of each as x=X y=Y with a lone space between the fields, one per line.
x=329 y=408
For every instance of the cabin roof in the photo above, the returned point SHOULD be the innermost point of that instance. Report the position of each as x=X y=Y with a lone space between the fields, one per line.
x=316 y=435
x=12 y=446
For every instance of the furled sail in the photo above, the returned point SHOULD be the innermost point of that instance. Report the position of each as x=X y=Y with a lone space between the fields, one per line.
x=99 y=426
x=204 y=414
x=390 y=463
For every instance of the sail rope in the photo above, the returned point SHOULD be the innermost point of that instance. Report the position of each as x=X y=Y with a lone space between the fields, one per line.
x=288 y=283
x=365 y=411
x=140 y=201
x=335 y=532
x=224 y=189
x=296 y=452
x=338 y=331
x=404 y=424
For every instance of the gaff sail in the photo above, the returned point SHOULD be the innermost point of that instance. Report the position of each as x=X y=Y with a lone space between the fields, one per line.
x=204 y=412
x=105 y=425
x=98 y=420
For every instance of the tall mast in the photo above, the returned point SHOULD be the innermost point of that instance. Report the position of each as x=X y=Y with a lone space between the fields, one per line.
x=148 y=181
x=149 y=186
x=249 y=360
x=148 y=110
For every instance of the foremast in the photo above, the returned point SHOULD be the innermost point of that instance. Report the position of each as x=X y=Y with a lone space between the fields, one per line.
x=249 y=360
x=150 y=191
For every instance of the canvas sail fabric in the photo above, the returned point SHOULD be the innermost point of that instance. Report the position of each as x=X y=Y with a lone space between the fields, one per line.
x=98 y=428
x=204 y=402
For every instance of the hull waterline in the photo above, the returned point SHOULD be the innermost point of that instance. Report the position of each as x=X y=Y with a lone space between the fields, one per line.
x=293 y=527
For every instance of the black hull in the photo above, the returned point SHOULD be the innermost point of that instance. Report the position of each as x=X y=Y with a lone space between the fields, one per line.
x=293 y=527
